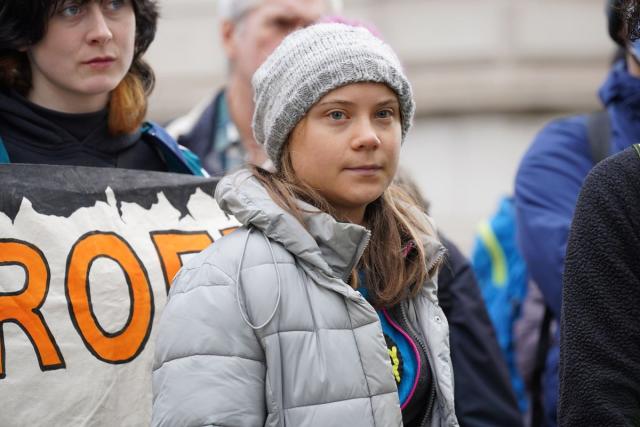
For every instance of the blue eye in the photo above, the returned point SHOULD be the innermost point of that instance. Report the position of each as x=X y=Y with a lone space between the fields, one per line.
x=384 y=114
x=337 y=115
x=115 y=4
x=70 y=10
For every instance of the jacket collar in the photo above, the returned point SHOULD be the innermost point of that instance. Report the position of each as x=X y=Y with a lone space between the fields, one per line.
x=621 y=95
x=330 y=246
x=620 y=86
x=23 y=121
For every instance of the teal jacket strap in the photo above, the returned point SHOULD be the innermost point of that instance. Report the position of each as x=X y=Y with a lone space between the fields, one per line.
x=179 y=159
x=4 y=156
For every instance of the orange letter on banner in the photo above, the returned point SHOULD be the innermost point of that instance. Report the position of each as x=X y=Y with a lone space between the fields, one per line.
x=23 y=307
x=124 y=345
x=229 y=230
x=171 y=244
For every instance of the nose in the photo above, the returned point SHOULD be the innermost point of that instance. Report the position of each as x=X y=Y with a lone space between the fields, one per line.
x=99 y=32
x=365 y=136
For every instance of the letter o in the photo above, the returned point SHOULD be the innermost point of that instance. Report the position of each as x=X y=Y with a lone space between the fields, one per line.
x=124 y=345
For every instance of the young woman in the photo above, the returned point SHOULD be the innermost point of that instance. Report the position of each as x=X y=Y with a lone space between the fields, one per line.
x=321 y=310
x=73 y=86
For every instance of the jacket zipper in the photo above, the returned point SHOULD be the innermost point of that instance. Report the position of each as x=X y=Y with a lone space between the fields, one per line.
x=423 y=347
x=432 y=399
x=358 y=255
x=439 y=256
x=432 y=394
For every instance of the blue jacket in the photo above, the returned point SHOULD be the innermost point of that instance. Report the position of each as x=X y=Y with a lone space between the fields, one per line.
x=551 y=174
x=547 y=185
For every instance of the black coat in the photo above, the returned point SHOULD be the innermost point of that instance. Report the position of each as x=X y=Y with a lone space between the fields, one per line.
x=32 y=134
x=600 y=327
x=483 y=393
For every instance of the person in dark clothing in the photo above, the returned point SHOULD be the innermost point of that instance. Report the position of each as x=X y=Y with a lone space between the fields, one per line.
x=483 y=393
x=600 y=338
x=551 y=174
x=74 y=87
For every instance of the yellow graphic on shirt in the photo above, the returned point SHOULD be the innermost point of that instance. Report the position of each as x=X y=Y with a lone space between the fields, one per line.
x=395 y=362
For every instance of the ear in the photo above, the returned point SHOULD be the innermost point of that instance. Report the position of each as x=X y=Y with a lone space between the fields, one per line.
x=227 y=35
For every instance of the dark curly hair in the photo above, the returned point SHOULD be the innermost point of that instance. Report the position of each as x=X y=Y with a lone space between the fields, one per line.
x=632 y=18
x=624 y=20
x=23 y=23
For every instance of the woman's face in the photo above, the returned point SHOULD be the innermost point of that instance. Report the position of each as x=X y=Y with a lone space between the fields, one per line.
x=347 y=146
x=85 y=53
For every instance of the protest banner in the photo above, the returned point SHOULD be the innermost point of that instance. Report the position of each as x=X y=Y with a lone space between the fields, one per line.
x=87 y=256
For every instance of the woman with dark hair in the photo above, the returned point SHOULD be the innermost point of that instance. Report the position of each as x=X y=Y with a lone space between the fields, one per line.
x=74 y=87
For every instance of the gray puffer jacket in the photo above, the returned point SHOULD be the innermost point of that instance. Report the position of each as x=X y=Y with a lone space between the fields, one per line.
x=261 y=329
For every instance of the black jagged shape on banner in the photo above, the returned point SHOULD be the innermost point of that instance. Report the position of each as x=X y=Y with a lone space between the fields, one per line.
x=62 y=190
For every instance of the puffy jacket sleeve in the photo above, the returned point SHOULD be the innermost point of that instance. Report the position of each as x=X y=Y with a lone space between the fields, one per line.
x=209 y=366
x=546 y=189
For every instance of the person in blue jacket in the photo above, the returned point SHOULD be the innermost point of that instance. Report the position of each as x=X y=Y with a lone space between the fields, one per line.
x=74 y=87
x=551 y=174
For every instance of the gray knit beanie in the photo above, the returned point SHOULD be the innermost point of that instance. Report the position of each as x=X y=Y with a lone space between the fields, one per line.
x=311 y=62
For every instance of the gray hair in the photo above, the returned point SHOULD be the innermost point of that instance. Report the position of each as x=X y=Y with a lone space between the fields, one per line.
x=233 y=10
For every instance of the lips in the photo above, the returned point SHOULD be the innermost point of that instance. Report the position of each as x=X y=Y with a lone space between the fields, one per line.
x=364 y=170
x=365 y=167
x=100 y=61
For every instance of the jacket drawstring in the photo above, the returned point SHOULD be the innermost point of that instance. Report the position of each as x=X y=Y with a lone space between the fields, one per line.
x=240 y=292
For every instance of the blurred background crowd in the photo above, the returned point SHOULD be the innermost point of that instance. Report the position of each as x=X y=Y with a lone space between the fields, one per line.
x=486 y=74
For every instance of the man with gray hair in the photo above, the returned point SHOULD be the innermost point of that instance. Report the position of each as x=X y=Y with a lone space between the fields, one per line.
x=219 y=131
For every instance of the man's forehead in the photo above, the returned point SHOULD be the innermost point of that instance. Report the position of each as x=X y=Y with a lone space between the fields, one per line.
x=303 y=9
x=235 y=9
